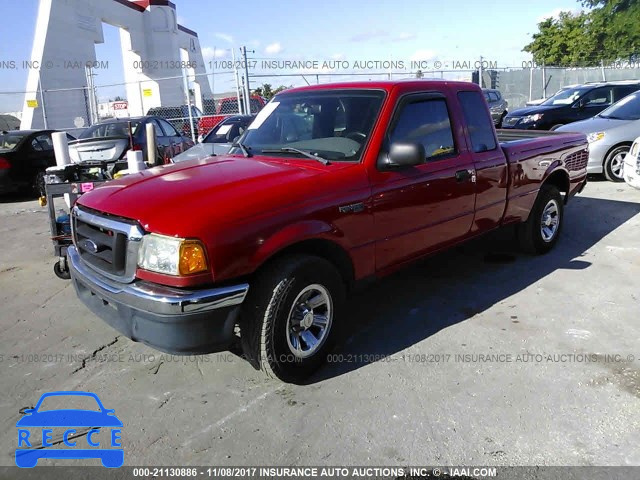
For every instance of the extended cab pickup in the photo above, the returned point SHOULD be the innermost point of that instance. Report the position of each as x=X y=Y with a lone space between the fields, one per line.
x=331 y=185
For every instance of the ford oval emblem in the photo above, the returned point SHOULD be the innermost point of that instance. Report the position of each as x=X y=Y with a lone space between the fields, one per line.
x=89 y=245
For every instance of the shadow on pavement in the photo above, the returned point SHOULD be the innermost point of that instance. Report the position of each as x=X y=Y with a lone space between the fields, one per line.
x=415 y=303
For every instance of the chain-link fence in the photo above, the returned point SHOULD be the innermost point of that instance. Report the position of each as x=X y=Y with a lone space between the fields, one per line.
x=195 y=104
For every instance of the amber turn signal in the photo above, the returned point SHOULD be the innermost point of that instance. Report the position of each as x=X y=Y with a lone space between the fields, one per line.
x=192 y=258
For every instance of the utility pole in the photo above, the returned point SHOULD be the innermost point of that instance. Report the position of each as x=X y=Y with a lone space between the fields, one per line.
x=246 y=85
x=480 y=73
x=235 y=74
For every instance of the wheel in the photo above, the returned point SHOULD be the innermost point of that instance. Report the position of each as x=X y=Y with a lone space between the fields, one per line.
x=614 y=163
x=540 y=232
x=555 y=127
x=60 y=273
x=499 y=125
x=37 y=186
x=289 y=321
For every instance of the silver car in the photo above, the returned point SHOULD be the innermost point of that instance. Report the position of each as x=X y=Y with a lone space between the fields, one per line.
x=610 y=134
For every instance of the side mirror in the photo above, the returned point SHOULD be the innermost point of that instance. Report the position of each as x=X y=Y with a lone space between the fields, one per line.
x=404 y=154
x=579 y=105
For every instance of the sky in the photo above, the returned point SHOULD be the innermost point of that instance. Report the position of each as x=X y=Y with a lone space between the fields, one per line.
x=354 y=30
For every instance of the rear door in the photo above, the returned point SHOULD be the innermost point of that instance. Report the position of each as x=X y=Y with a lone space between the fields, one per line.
x=174 y=141
x=489 y=161
x=423 y=208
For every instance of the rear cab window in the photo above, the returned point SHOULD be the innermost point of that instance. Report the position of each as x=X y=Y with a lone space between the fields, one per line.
x=478 y=120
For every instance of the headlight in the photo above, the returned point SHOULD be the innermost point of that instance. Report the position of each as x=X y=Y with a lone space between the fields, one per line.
x=595 y=137
x=172 y=256
x=531 y=118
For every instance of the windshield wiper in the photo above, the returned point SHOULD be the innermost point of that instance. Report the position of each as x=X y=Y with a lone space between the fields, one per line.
x=310 y=155
x=244 y=148
x=611 y=117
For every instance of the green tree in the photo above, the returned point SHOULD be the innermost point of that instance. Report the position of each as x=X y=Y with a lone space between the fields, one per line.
x=267 y=91
x=608 y=31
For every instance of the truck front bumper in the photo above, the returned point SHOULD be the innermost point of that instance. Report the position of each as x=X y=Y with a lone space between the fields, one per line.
x=171 y=320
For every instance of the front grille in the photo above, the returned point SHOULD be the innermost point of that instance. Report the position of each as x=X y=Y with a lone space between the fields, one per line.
x=577 y=160
x=103 y=248
x=106 y=244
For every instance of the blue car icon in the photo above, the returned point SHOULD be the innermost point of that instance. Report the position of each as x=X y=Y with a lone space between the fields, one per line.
x=70 y=419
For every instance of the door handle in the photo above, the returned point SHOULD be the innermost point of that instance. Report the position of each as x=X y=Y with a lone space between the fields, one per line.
x=465 y=175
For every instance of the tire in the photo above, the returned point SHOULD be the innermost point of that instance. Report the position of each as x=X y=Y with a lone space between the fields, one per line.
x=37 y=186
x=62 y=274
x=276 y=317
x=541 y=231
x=555 y=127
x=614 y=163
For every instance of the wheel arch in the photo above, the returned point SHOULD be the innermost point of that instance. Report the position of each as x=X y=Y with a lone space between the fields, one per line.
x=559 y=178
x=621 y=144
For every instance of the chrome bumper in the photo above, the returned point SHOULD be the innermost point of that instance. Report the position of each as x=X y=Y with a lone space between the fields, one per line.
x=157 y=298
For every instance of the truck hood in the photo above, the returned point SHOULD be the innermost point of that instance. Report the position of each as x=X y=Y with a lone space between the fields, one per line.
x=174 y=199
x=594 y=124
x=522 y=112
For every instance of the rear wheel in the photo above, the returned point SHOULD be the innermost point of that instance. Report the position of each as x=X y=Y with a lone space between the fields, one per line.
x=540 y=232
x=614 y=164
x=38 y=184
x=290 y=320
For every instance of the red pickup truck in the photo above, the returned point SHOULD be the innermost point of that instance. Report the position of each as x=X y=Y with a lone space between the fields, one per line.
x=332 y=185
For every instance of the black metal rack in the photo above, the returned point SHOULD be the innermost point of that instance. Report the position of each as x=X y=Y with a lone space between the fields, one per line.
x=72 y=180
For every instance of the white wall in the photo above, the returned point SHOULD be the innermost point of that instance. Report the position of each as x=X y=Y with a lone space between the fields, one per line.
x=65 y=38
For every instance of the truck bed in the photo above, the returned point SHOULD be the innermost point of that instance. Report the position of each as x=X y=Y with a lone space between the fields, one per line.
x=519 y=145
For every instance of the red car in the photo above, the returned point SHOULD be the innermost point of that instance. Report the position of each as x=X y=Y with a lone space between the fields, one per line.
x=215 y=112
x=331 y=186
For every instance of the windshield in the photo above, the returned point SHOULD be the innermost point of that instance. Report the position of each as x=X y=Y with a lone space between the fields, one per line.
x=332 y=124
x=565 y=97
x=626 y=109
x=9 y=141
x=115 y=129
x=227 y=132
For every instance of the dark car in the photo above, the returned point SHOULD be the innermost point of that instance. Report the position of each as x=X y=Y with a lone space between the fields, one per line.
x=109 y=141
x=24 y=157
x=570 y=105
x=179 y=117
x=219 y=140
x=497 y=105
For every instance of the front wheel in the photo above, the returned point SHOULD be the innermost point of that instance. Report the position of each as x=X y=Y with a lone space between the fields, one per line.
x=290 y=319
x=540 y=232
x=614 y=164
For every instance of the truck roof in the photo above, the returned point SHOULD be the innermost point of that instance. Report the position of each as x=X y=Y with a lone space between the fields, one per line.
x=386 y=85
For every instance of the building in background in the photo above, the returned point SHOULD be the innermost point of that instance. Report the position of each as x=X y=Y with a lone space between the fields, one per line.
x=154 y=49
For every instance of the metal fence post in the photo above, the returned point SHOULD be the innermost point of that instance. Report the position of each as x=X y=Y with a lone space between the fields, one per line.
x=186 y=91
x=44 y=110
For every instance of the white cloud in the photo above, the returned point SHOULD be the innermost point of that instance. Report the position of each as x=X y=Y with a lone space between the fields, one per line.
x=273 y=48
x=423 y=55
x=224 y=36
x=210 y=53
x=404 y=36
x=555 y=13
x=370 y=35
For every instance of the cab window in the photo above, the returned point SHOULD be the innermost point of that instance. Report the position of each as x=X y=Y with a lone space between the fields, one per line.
x=426 y=122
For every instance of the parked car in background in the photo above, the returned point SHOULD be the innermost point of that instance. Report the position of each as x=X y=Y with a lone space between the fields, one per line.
x=610 y=134
x=9 y=122
x=570 y=106
x=497 y=105
x=219 y=140
x=24 y=157
x=632 y=165
x=109 y=141
x=179 y=117
x=217 y=111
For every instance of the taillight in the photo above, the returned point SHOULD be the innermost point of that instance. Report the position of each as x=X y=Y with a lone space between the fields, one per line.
x=4 y=164
x=137 y=148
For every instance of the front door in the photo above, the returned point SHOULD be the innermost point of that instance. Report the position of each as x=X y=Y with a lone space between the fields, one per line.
x=423 y=208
